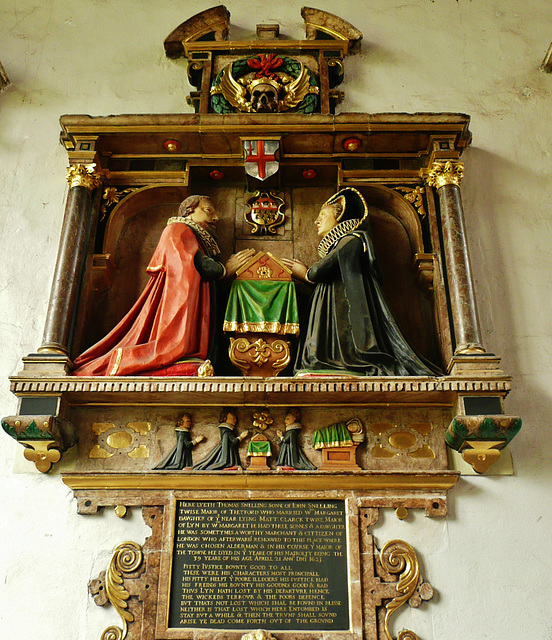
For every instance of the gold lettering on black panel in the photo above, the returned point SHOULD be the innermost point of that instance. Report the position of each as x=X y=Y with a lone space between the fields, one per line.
x=260 y=564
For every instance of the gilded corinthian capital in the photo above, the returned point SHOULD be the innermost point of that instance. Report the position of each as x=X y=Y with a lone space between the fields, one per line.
x=442 y=173
x=83 y=175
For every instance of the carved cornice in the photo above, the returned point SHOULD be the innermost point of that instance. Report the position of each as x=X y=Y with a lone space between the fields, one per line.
x=84 y=175
x=216 y=391
x=442 y=173
x=417 y=482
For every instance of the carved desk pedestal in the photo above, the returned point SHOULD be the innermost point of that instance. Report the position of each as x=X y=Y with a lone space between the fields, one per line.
x=339 y=458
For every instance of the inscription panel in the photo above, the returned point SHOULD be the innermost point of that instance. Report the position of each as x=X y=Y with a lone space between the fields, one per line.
x=276 y=565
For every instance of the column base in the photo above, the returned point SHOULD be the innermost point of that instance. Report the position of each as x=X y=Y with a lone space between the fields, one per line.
x=474 y=364
x=46 y=363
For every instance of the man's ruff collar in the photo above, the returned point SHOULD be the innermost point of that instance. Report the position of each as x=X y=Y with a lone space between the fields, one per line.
x=207 y=239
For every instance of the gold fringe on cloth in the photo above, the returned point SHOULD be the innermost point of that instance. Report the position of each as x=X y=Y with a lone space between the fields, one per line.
x=262 y=327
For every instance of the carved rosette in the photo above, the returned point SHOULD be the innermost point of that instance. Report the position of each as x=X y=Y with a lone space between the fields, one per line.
x=84 y=175
x=260 y=357
x=127 y=558
x=443 y=173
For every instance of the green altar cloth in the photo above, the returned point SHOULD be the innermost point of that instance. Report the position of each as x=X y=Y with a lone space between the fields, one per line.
x=262 y=306
x=336 y=435
x=258 y=448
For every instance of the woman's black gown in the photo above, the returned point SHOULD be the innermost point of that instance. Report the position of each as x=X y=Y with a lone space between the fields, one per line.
x=351 y=328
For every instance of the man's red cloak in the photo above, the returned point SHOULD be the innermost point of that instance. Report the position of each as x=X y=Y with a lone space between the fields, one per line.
x=170 y=321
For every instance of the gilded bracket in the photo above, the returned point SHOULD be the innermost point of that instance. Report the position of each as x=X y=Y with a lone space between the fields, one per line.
x=414 y=195
x=44 y=453
x=127 y=558
x=44 y=437
x=480 y=438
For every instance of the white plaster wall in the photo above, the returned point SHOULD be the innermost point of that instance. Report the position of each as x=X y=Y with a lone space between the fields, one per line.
x=490 y=560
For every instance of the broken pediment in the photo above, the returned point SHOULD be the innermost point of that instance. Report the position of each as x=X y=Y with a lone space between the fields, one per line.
x=266 y=75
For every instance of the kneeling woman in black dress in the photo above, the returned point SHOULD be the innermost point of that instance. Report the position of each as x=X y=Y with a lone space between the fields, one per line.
x=351 y=328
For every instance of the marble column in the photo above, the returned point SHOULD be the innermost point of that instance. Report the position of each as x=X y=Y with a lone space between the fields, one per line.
x=82 y=179
x=446 y=177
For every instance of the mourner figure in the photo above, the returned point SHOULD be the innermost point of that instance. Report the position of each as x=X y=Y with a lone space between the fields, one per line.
x=351 y=328
x=226 y=454
x=180 y=457
x=291 y=455
x=169 y=330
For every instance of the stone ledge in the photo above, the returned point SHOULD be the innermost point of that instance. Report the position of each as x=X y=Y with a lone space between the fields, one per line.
x=243 y=391
x=298 y=481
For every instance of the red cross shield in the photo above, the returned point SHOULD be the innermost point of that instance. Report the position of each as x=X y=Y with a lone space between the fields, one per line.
x=260 y=158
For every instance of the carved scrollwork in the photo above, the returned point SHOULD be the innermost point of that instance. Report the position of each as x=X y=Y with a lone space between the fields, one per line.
x=259 y=353
x=414 y=195
x=111 y=196
x=399 y=557
x=127 y=558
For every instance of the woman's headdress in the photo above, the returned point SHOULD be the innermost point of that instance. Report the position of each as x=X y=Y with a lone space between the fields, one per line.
x=351 y=212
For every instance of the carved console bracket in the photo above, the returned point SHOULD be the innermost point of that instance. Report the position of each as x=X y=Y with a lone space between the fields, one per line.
x=44 y=437
x=480 y=438
x=257 y=356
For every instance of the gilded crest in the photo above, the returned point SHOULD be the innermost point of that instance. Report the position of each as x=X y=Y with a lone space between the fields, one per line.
x=266 y=83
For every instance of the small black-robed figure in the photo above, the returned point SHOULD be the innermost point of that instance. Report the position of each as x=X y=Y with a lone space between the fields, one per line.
x=180 y=457
x=226 y=454
x=291 y=456
x=351 y=329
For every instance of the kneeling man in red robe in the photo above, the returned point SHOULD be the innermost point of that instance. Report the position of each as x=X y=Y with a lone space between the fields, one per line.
x=169 y=329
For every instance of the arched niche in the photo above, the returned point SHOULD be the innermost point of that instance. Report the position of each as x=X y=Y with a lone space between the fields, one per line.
x=118 y=275
x=397 y=235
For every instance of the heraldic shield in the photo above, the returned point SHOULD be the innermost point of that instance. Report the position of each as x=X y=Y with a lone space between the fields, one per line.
x=260 y=158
